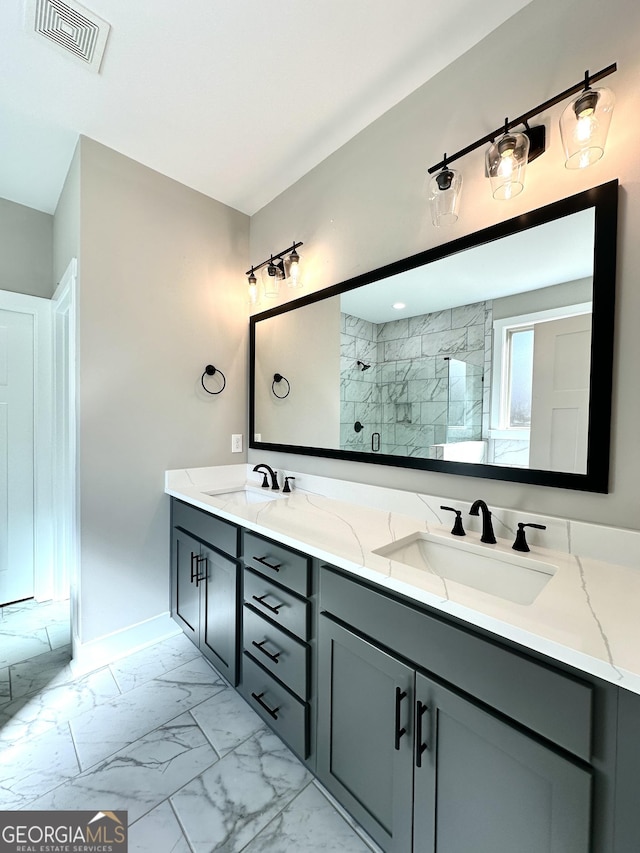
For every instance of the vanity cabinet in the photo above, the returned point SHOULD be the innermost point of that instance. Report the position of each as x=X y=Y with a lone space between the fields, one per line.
x=435 y=736
x=426 y=769
x=425 y=766
x=205 y=584
x=276 y=658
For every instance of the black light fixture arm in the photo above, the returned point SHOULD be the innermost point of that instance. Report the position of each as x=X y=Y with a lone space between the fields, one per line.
x=273 y=258
x=524 y=118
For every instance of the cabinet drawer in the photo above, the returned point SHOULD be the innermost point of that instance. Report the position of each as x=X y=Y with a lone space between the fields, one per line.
x=278 y=652
x=215 y=531
x=277 y=562
x=552 y=703
x=282 y=607
x=287 y=715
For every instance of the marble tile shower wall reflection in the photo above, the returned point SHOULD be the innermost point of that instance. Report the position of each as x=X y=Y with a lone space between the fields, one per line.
x=405 y=394
x=359 y=393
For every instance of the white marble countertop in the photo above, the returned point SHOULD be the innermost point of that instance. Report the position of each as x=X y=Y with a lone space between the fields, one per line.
x=586 y=616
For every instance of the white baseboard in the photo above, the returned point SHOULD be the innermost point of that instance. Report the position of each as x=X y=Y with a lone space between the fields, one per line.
x=104 y=650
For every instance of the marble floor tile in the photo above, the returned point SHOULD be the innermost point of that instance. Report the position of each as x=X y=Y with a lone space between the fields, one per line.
x=32 y=766
x=19 y=606
x=16 y=646
x=142 y=666
x=308 y=824
x=32 y=615
x=227 y=805
x=5 y=686
x=59 y=634
x=49 y=669
x=158 y=832
x=118 y=722
x=226 y=720
x=32 y=714
x=141 y=776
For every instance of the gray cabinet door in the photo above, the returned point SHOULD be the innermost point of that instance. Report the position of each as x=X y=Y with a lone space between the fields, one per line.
x=185 y=593
x=364 y=750
x=219 y=615
x=486 y=786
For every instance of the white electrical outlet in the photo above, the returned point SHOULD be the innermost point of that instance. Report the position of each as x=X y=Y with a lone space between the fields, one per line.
x=236 y=443
x=258 y=436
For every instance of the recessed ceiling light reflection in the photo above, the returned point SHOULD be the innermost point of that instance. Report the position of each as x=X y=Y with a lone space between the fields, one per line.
x=398 y=306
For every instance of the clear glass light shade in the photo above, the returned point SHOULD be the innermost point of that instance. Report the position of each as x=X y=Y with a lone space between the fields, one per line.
x=506 y=162
x=584 y=125
x=270 y=283
x=292 y=270
x=445 y=189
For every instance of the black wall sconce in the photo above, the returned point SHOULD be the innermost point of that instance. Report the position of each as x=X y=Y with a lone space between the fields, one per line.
x=584 y=125
x=210 y=370
x=283 y=266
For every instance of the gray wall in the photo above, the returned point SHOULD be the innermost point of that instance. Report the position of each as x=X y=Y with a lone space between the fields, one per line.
x=26 y=250
x=66 y=222
x=157 y=302
x=366 y=205
x=304 y=348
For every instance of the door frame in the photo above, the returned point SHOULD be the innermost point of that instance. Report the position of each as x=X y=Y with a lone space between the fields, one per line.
x=65 y=457
x=43 y=558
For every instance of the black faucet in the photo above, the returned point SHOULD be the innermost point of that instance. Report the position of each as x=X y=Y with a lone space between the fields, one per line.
x=263 y=468
x=488 y=535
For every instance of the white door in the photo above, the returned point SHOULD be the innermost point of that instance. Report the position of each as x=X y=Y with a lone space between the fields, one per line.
x=560 y=397
x=17 y=494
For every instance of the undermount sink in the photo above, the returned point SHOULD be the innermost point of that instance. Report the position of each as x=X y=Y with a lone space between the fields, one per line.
x=511 y=576
x=245 y=495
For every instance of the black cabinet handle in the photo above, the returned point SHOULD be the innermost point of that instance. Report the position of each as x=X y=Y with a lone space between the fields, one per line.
x=400 y=695
x=261 y=600
x=263 y=562
x=273 y=712
x=264 y=651
x=193 y=573
x=421 y=709
x=196 y=559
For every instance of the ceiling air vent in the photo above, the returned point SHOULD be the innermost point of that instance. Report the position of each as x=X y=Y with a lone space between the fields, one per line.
x=69 y=27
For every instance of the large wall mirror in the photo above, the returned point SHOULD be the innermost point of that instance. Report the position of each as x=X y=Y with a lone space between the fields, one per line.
x=490 y=356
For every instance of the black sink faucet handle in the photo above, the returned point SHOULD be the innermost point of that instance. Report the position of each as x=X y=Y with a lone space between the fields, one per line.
x=521 y=539
x=457 y=529
x=265 y=480
x=287 y=487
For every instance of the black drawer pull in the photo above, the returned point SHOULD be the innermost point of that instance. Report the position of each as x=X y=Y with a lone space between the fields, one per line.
x=400 y=695
x=261 y=600
x=421 y=709
x=264 y=651
x=263 y=562
x=195 y=574
x=273 y=712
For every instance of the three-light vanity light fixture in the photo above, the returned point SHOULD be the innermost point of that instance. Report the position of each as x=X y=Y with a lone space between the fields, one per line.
x=584 y=124
x=285 y=266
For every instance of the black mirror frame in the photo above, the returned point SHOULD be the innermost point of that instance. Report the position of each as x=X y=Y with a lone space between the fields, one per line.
x=604 y=199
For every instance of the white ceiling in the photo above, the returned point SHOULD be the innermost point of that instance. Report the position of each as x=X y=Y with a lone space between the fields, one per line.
x=235 y=98
x=549 y=254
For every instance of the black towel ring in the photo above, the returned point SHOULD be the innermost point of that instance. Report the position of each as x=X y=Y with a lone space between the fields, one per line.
x=209 y=371
x=278 y=377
